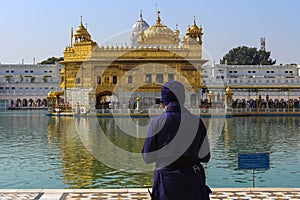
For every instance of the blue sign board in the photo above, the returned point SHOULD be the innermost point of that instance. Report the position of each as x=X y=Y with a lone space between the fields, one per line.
x=253 y=161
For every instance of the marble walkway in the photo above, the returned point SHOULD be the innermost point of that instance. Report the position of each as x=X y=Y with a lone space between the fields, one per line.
x=141 y=194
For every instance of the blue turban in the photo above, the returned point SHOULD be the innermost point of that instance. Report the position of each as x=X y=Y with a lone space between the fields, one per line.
x=172 y=91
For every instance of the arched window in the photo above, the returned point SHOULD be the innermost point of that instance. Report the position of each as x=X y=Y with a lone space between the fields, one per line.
x=24 y=103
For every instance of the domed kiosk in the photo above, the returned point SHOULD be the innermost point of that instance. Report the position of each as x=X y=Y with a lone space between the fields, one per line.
x=139 y=26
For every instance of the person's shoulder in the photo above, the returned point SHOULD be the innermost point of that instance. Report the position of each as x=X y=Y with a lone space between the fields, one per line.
x=160 y=118
x=157 y=123
x=193 y=118
x=189 y=114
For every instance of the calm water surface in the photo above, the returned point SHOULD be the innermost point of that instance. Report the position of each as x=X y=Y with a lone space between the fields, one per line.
x=37 y=151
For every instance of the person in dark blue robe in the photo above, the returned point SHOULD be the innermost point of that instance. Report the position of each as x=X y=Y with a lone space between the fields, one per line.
x=177 y=142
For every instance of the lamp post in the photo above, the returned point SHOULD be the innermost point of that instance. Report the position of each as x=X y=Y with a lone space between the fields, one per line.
x=137 y=109
x=228 y=96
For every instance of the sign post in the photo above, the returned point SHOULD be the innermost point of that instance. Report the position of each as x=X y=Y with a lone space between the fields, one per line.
x=254 y=161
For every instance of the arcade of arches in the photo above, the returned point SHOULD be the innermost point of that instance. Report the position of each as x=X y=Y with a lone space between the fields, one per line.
x=109 y=100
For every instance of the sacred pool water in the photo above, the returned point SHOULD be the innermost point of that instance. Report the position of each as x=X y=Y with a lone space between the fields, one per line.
x=37 y=151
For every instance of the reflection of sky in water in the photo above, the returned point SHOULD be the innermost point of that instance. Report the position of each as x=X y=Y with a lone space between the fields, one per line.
x=277 y=135
x=47 y=152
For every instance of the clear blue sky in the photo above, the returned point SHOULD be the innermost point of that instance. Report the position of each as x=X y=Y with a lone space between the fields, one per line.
x=41 y=28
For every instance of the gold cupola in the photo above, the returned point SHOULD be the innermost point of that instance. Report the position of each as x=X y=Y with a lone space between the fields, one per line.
x=195 y=32
x=159 y=35
x=176 y=31
x=82 y=35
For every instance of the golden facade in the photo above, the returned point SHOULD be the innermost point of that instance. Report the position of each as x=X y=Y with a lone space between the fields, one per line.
x=92 y=72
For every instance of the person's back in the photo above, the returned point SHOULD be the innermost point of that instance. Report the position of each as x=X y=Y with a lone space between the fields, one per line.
x=177 y=142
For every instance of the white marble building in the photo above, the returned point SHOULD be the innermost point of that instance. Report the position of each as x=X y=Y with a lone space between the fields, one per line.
x=253 y=75
x=27 y=85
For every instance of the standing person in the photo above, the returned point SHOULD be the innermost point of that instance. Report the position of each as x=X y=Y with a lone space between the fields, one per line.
x=177 y=142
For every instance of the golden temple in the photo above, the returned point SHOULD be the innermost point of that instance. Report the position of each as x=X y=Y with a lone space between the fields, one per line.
x=96 y=76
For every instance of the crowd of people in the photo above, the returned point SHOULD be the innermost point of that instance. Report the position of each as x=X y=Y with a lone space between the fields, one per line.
x=262 y=103
x=254 y=103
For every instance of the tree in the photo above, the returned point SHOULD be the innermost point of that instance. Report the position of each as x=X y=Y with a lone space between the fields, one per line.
x=243 y=55
x=52 y=60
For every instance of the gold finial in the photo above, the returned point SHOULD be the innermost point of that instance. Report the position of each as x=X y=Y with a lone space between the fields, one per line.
x=158 y=18
x=81 y=20
x=176 y=31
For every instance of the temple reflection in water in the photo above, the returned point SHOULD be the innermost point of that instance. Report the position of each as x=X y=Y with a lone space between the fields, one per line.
x=80 y=162
x=87 y=158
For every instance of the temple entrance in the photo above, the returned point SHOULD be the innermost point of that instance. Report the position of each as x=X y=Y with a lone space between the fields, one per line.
x=107 y=100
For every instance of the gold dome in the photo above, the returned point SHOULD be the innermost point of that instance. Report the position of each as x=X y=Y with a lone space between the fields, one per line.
x=82 y=34
x=159 y=30
x=81 y=30
x=194 y=29
x=195 y=32
x=159 y=34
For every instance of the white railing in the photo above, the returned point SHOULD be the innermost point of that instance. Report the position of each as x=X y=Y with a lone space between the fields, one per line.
x=155 y=111
x=113 y=111
x=195 y=111
x=221 y=111
x=254 y=110
x=120 y=111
